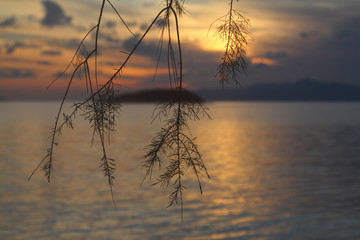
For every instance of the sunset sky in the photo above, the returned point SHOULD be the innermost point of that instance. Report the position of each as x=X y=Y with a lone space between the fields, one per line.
x=293 y=39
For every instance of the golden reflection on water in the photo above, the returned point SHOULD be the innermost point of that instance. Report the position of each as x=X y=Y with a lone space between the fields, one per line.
x=242 y=157
x=263 y=182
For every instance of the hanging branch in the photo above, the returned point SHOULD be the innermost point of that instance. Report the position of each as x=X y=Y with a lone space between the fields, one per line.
x=234 y=31
x=96 y=108
x=174 y=141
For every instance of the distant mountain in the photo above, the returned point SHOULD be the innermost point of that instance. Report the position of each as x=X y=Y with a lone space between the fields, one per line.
x=158 y=95
x=303 y=90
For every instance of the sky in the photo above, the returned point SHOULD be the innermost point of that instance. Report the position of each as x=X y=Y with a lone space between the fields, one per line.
x=292 y=40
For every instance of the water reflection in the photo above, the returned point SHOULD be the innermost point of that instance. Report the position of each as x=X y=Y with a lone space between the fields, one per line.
x=280 y=175
x=272 y=177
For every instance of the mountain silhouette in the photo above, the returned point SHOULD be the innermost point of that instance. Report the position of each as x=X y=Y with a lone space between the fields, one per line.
x=303 y=90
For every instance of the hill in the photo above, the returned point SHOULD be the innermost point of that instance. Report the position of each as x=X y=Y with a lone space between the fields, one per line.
x=158 y=95
x=303 y=90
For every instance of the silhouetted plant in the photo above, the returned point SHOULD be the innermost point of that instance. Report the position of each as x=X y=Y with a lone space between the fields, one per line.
x=174 y=141
x=234 y=31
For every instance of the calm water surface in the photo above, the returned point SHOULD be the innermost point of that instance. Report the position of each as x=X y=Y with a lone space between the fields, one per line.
x=278 y=171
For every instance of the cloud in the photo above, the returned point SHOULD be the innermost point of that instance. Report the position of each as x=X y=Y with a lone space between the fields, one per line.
x=55 y=15
x=276 y=55
x=51 y=53
x=11 y=49
x=62 y=75
x=110 y=24
x=72 y=43
x=144 y=26
x=111 y=38
x=45 y=63
x=146 y=48
x=348 y=33
x=199 y=67
x=304 y=35
x=329 y=56
x=16 y=73
x=132 y=24
x=8 y=22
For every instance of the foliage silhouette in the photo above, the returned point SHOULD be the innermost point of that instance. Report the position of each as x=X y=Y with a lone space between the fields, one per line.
x=234 y=31
x=174 y=140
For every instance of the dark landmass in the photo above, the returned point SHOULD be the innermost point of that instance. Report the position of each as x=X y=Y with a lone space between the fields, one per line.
x=303 y=90
x=158 y=95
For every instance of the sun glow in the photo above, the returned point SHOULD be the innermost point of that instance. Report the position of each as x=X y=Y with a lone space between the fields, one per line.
x=265 y=61
x=44 y=51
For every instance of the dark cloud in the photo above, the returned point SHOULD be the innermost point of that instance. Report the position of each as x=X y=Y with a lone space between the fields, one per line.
x=45 y=63
x=326 y=44
x=110 y=38
x=304 y=35
x=199 y=67
x=348 y=34
x=70 y=43
x=8 y=22
x=276 y=55
x=55 y=15
x=159 y=23
x=110 y=24
x=16 y=73
x=132 y=24
x=51 y=52
x=148 y=48
x=331 y=56
x=11 y=49
x=62 y=75
x=144 y=26
x=109 y=63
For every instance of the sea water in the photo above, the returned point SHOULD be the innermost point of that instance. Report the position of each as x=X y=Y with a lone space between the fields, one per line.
x=278 y=171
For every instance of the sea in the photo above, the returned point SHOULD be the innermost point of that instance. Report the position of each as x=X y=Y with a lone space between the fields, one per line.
x=278 y=171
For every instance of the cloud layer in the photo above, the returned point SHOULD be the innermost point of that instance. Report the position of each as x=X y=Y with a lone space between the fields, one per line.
x=294 y=39
x=54 y=15
x=8 y=22
x=6 y=73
